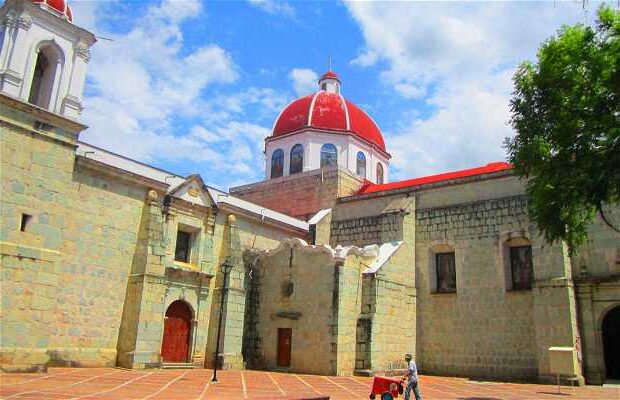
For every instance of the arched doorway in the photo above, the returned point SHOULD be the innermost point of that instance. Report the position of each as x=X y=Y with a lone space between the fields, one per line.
x=175 y=346
x=611 y=343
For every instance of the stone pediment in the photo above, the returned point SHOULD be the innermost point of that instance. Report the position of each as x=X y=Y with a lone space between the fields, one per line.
x=193 y=190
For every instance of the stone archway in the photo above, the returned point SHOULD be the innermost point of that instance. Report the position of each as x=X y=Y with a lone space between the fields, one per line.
x=611 y=343
x=177 y=333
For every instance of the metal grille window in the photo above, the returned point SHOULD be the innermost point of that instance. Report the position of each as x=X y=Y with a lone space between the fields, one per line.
x=446 y=272
x=521 y=267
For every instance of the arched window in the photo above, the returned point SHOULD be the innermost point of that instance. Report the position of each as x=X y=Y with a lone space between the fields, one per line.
x=277 y=163
x=361 y=164
x=379 y=173
x=43 y=78
x=329 y=155
x=297 y=159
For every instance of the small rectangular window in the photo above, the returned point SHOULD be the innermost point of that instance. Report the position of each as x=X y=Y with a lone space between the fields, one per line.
x=25 y=222
x=446 y=272
x=183 y=247
x=521 y=267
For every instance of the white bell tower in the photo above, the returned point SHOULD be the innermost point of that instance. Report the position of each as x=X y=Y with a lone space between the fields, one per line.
x=43 y=55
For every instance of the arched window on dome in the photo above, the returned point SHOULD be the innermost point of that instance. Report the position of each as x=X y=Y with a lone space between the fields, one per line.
x=361 y=164
x=277 y=163
x=297 y=159
x=329 y=155
x=46 y=69
x=379 y=174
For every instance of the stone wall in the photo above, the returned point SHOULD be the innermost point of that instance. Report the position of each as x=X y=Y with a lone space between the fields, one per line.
x=347 y=297
x=484 y=328
x=301 y=195
x=481 y=330
x=64 y=278
x=367 y=230
x=388 y=304
x=309 y=310
x=90 y=278
x=247 y=237
x=395 y=313
x=369 y=221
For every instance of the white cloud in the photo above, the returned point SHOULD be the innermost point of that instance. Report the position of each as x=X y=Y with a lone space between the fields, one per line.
x=304 y=80
x=274 y=7
x=466 y=130
x=458 y=60
x=146 y=99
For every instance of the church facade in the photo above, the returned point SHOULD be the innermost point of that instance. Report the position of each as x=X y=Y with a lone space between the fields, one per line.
x=106 y=261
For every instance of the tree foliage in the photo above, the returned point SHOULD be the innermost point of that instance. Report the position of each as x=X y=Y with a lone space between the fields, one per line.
x=566 y=112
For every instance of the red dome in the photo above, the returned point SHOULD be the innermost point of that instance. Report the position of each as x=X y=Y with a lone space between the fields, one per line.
x=328 y=111
x=61 y=6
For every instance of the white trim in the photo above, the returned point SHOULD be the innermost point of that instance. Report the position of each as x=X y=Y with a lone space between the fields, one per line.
x=222 y=197
x=311 y=109
x=127 y=164
x=386 y=250
x=316 y=218
x=346 y=112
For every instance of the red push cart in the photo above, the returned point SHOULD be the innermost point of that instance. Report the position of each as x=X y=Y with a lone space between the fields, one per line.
x=387 y=388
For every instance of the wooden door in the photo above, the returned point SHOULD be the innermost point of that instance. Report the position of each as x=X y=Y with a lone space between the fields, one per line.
x=285 y=339
x=175 y=346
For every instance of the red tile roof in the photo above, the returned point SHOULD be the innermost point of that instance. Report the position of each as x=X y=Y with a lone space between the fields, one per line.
x=370 y=187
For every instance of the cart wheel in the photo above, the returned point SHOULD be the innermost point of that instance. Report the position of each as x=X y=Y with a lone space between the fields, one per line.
x=387 y=396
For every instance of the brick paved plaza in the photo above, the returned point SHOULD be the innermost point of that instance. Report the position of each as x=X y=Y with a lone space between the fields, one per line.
x=109 y=383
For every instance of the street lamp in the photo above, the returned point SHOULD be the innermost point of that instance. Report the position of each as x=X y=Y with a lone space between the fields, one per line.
x=226 y=267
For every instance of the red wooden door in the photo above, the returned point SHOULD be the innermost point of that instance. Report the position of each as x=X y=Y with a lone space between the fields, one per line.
x=175 y=346
x=285 y=339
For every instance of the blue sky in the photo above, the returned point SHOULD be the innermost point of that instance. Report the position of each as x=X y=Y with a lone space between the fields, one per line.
x=193 y=86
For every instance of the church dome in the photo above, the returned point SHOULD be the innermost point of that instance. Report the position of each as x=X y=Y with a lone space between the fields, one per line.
x=59 y=6
x=328 y=110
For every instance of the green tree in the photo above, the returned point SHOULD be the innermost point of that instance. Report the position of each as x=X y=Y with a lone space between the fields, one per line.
x=566 y=113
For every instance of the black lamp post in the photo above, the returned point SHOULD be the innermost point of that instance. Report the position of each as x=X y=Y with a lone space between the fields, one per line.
x=226 y=267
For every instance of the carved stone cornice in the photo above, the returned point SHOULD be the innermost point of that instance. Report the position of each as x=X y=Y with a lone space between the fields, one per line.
x=73 y=102
x=24 y=22
x=83 y=52
x=10 y=19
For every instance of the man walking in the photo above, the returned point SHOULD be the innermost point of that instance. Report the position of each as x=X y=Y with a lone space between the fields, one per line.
x=412 y=379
